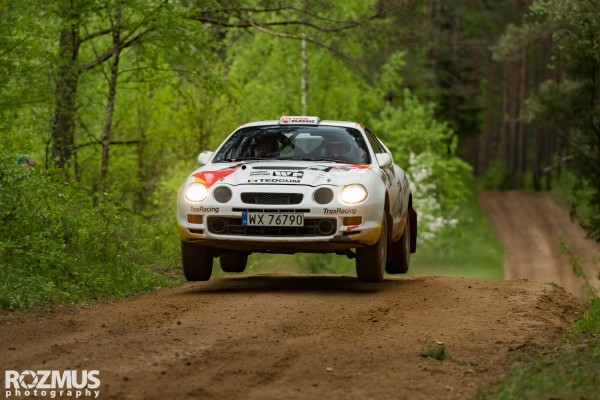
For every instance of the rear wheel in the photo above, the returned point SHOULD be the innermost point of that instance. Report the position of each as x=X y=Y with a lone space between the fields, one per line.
x=197 y=262
x=233 y=262
x=400 y=257
x=370 y=261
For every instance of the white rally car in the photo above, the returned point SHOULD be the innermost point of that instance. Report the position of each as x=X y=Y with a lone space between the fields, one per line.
x=297 y=185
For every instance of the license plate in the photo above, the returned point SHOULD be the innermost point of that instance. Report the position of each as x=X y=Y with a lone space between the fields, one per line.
x=272 y=219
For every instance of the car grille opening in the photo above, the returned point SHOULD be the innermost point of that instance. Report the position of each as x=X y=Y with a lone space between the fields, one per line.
x=272 y=198
x=233 y=226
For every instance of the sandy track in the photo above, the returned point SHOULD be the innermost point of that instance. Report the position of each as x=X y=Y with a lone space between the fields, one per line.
x=529 y=225
x=295 y=337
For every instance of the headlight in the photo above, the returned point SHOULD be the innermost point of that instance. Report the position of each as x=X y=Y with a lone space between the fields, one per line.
x=353 y=194
x=196 y=192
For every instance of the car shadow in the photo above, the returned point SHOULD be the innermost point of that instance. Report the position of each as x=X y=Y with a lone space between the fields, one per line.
x=269 y=283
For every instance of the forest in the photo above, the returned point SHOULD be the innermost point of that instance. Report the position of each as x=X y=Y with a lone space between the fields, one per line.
x=105 y=104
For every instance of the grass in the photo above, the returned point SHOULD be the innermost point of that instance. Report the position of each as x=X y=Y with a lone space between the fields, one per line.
x=437 y=353
x=470 y=249
x=571 y=371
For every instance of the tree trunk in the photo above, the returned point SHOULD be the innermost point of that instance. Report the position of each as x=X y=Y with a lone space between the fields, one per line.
x=110 y=105
x=490 y=129
x=63 y=129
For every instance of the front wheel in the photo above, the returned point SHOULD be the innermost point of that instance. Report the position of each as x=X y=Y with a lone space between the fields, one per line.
x=197 y=262
x=370 y=260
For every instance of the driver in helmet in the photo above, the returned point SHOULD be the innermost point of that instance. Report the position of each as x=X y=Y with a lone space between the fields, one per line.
x=340 y=150
x=266 y=146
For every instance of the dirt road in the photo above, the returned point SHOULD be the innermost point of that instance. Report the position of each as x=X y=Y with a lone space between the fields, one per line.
x=529 y=225
x=291 y=337
x=296 y=337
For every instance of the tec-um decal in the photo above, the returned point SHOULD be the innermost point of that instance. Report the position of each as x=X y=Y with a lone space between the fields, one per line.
x=274 y=180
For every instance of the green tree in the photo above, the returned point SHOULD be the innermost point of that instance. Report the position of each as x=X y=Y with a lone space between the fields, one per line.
x=420 y=143
x=571 y=104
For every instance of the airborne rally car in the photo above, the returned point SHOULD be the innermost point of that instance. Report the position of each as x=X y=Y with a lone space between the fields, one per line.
x=297 y=185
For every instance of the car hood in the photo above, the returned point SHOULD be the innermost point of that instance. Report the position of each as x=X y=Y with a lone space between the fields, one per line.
x=280 y=172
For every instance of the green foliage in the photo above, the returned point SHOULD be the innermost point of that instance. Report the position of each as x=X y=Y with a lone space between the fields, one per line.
x=183 y=85
x=578 y=270
x=57 y=247
x=427 y=149
x=271 y=88
x=589 y=324
x=496 y=177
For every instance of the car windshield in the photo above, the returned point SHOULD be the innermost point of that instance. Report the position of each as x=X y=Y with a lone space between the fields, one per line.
x=307 y=143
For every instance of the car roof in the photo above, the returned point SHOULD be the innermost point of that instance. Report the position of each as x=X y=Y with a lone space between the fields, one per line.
x=346 y=124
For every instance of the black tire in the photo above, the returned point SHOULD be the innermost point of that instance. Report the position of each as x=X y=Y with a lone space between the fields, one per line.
x=371 y=260
x=197 y=262
x=233 y=262
x=400 y=252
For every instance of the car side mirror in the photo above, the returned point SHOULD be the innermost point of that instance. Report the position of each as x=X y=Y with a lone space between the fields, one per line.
x=384 y=160
x=204 y=157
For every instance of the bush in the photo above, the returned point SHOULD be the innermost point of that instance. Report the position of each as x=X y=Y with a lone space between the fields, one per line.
x=57 y=246
x=426 y=148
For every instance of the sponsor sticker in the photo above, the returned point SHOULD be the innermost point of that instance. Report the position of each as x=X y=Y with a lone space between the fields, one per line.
x=290 y=174
x=259 y=173
x=202 y=209
x=273 y=180
x=299 y=120
x=339 y=211
x=339 y=168
x=209 y=178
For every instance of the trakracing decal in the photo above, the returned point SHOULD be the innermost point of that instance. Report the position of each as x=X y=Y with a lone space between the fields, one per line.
x=52 y=383
x=202 y=209
x=339 y=211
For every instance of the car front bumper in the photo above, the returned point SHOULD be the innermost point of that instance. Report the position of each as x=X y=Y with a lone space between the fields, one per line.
x=327 y=228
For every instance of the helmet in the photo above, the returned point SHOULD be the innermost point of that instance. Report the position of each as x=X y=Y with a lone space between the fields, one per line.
x=339 y=150
x=264 y=145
